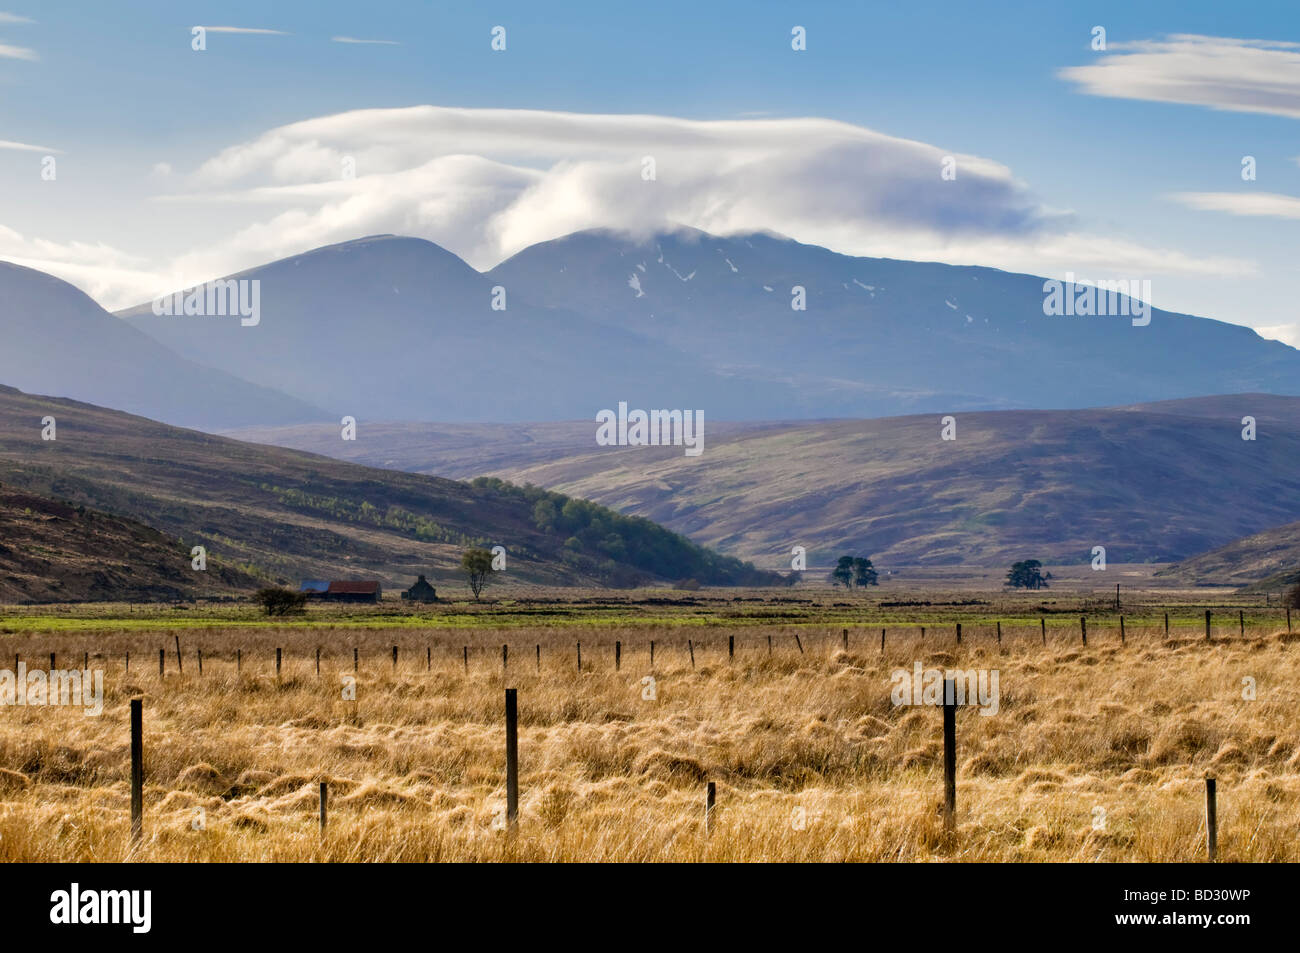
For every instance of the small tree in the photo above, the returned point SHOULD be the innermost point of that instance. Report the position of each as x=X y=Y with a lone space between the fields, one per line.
x=863 y=573
x=477 y=566
x=1027 y=574
x=277 y=601
x=854 y=571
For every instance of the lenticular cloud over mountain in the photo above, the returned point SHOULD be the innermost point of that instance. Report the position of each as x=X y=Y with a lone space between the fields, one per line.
x=487 y=183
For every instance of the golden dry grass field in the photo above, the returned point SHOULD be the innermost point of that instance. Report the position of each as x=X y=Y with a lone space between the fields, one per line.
x=1097 y=752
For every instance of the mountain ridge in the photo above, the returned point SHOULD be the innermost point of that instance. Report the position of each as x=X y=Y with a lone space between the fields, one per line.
x=396 y=328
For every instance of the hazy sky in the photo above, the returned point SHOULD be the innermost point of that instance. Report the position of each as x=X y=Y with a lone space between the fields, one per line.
x=303 y=124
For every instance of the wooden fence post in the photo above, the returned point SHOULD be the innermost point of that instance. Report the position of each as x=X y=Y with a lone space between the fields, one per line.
x=710 y=799
x=1207 y=625
x=949 y=755
x=652 y=653
x=1241 y=618
x=324 y=806
x=85 y=661
x=394 y=658
x=1083 y=629
x=798 y=643
x=137 y=772
x=128 y=660
x=239 y=661
x=618 y=655
x=1121 y=630
x=1042 y=624
x=505 y=656
x=180 y=665
x=846 y=640
x=690 y=647
x=1288 y=618
x=579 y=658
x=464 y=653
x=769 y=643
x=1211 y=820
x=959 y=633
x=999 y=631
x=731 y=647
x=200 y=654
x=1166 y=625
x=278 y=653
x=162 y=661
x=318 y=660
x=539 y=657
x=882 y=640
x=512 y=759
x=922 y=633
x=52 y=665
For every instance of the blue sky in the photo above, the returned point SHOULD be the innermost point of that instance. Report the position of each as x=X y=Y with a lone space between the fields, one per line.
x=170 y=167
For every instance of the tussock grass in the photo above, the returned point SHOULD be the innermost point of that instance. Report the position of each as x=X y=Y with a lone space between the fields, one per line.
x=1097 y=753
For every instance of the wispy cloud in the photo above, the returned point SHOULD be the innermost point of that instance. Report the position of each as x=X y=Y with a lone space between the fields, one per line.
x=353 y=39
x=8 y=52
x=28 y=147
x=245 y=29
x=1260 y=204
x=14 y=18
x=1256 y=76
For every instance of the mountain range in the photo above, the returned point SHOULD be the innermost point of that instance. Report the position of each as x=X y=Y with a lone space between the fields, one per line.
x=393 y=328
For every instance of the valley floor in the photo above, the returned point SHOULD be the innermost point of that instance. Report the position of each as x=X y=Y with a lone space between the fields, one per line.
x=1097 y=751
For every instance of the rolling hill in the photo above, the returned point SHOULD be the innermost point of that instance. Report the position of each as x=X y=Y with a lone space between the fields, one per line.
x=392 y=328
x=56 y=552
x=1151 y=483
x=58 y=341
x=293 y=515
x=1264 y=562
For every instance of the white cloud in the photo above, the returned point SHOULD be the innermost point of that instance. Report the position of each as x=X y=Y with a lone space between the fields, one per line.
x=486 y=183
x=1264 y=204
x=28 y=147
x=1286 y=333
x=1258 y=76
x=353 y=39
x=14 y=18
x=17 y=52
x=244 y=29
x=101 y=271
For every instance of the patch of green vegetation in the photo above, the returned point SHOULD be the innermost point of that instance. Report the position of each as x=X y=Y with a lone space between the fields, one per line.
x=614 y=541
x=390 y=517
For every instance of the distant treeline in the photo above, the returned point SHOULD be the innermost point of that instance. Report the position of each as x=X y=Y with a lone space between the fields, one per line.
x=614 y=543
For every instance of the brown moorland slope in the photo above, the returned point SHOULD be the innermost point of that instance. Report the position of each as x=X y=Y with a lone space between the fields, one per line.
x=57 y=552
x=1152 y=483
x=294 y=515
